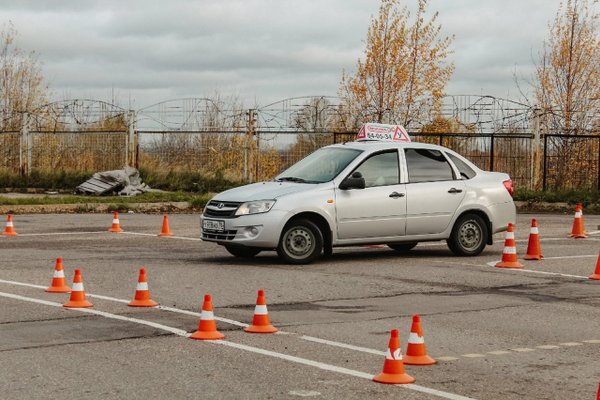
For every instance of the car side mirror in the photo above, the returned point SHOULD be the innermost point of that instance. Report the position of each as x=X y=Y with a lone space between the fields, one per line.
x=354 y=181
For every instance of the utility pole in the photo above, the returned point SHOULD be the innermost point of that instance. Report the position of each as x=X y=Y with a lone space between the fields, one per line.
x=536 y=149
x=249 y=148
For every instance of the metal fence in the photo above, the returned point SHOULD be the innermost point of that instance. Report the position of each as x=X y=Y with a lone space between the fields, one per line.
x=203 y=136
x=555 y=162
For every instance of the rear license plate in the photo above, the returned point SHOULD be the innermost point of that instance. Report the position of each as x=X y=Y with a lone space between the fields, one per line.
x=212 y=225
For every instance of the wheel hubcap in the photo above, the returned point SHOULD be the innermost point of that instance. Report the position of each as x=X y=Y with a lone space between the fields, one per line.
x=298 y=242
x=470 y=235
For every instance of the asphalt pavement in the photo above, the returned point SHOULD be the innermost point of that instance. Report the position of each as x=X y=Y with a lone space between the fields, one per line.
x=531 y=333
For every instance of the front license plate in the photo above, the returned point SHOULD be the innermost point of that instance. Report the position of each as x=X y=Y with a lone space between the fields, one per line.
x=212 y=225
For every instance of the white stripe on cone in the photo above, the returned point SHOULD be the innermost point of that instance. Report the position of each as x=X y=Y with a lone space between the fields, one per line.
x=77 y=287
x=207 y=315
x=59 y=274
x=414 y=338
x=396 y=356
x=115 y=221
x=534 y=230
x=142 y=286
x=578 y=214
x=510 y=235
x=510 y=250
x=9 y=224
x=260 y=310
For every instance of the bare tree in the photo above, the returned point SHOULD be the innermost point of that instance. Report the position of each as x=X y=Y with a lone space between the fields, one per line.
x=22 y=87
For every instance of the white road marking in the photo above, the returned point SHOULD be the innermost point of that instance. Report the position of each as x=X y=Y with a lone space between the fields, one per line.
x=547 y=347
x=473 y=355
x=498 y=352
x=156 y=235
x=59 y=233
x=257 y=350
x=531 y=271
x=523 y=349
x=343 y=345
x=570 y=344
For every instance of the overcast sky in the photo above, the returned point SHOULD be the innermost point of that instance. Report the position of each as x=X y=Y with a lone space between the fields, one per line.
x=262 y=51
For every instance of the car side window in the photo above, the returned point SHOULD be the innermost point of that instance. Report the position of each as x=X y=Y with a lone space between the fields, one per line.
x=426 y=165
x=465 y=171
x=380 y=169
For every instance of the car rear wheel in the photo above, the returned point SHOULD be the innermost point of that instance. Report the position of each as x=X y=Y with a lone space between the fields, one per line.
x=469 y=235
x=242 y=251
x=301 y=242
x=402 y=247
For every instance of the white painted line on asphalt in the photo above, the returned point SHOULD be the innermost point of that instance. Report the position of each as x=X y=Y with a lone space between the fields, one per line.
x=473 y=355
x=257 y=350
x=594 y=341
x=570 y=257
x=59 y=233
x=547 y=347
x=493 y=263
x=523 y=349
x=447 y=358
x=156 y=235
x=343 y=345
x=570 y=344
x=498 y=352
x=176 y=331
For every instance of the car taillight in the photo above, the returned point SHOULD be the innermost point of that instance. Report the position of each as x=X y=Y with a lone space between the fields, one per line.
x=509 y=186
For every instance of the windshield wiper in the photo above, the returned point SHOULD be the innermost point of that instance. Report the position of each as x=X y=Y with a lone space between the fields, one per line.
x=294 y=179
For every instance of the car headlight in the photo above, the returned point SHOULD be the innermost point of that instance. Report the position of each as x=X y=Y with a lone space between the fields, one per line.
x=255 y=207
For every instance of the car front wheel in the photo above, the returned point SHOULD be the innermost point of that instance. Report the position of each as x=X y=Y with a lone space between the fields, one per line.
x=469 y=235
x=301 y=242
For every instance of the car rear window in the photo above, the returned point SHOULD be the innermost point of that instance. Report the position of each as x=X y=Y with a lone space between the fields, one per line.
x=425 y=165
x=465 y=171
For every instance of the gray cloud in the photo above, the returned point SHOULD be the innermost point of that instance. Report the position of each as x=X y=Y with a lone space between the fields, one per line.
x=260 y=50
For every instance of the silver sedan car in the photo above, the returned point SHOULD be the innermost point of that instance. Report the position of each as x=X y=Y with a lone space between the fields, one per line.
x=360 y=193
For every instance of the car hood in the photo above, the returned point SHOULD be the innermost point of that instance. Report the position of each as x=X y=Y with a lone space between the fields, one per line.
x=262 y=191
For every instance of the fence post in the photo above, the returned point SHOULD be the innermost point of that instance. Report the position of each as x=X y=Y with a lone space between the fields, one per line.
x=492 y=152
x=131 y=146
x=25 y=146
x=249 y=148
x=545 y=162
x=536 y=150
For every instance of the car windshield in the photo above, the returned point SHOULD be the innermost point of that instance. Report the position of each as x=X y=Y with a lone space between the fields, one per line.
x=321 y=166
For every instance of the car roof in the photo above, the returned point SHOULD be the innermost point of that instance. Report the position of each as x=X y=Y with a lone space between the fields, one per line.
x=375 y=145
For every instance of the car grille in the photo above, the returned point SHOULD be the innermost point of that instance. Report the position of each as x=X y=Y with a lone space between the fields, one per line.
x=221 y=209
x=225 y=235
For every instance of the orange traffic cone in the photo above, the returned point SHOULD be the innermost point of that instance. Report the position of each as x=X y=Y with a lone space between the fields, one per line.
x=142 y=293
x=393 y=367
x=58 y=285
x=165 y=227
x=534 y=251
x=116 y=226
x=596 y=275
x=416 y=353
x=260 y=321
x=578 y=230
x=77 y=299
x=580 y=205
x=207 y=327
x=9 y=230
x=509 y=254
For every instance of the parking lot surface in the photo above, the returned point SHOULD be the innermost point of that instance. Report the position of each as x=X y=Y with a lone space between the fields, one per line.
x=531 y=333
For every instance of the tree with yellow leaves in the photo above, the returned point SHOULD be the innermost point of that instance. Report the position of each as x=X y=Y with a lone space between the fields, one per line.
x=567 y=78
x=567 y=90
x=404 y=70
x=22 y=87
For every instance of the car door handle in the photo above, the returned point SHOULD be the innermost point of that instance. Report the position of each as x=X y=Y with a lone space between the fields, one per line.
x=455 y=190
x=395 y=195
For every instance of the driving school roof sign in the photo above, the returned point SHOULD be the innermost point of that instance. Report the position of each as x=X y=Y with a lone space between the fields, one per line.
x=382 y=132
